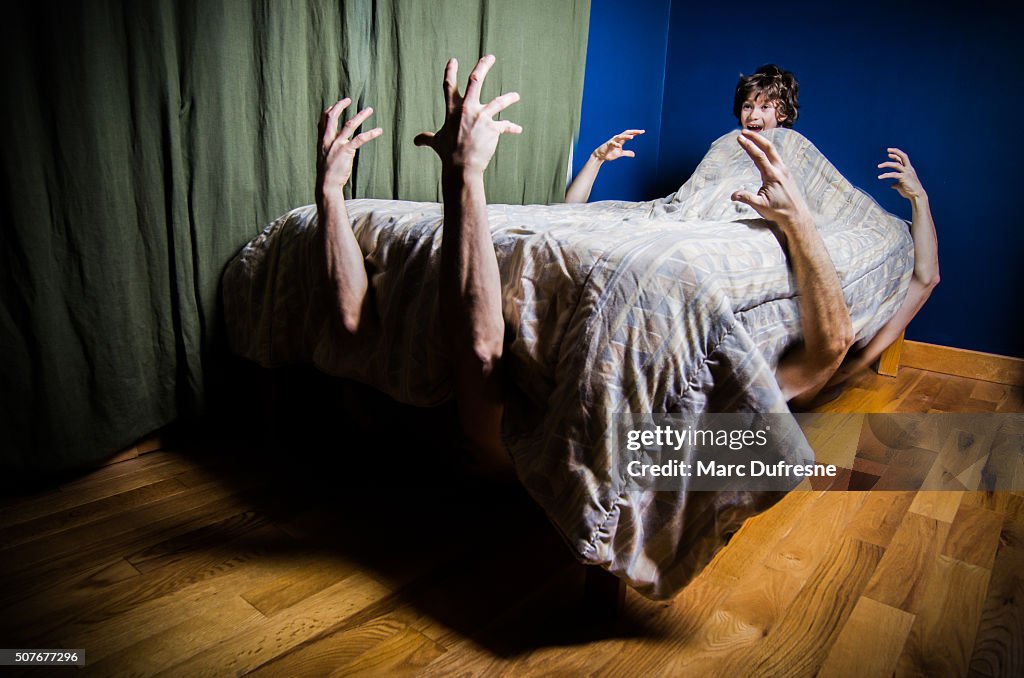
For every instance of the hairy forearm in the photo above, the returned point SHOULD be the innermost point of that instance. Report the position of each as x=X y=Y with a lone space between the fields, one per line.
x=346 y=272
x=825 y=319
x=579 y=189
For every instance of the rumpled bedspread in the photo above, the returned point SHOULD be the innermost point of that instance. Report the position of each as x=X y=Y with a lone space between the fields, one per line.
x=683 y=304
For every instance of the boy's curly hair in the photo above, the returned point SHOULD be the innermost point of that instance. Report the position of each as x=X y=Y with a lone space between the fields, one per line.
x=778 y=85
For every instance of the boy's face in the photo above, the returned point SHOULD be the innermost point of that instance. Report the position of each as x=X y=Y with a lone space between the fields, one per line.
x=759 y=114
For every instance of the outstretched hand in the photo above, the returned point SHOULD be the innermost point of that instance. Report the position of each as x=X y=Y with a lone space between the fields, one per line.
x=469 y=136
x=612 y=149
x=825 y=325
x=907 y=183
x=338 y=149
x=778 y=200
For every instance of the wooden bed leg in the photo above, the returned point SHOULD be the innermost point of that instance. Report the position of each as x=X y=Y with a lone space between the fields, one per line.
x=603 y=595
x=889 y=361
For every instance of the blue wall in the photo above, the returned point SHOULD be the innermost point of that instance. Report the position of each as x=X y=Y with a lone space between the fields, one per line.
x=623 y=88
x=940 y=84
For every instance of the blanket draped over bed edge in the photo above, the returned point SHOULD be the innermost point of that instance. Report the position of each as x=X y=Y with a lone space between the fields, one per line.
x=683 y=304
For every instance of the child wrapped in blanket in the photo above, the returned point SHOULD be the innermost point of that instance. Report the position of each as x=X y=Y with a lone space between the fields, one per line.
x=768 y=99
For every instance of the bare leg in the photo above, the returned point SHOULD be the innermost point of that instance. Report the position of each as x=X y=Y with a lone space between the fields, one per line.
x=470 y=286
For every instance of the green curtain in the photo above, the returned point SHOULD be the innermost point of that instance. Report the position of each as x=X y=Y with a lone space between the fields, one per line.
x=146 y=142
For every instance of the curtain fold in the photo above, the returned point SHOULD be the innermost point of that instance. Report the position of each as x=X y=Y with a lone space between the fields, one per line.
x=148 y=141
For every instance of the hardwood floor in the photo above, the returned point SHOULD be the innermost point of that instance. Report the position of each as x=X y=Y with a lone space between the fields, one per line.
x=302 y=555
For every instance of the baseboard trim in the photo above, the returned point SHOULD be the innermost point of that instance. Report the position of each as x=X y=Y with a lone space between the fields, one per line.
x=960 y=362
x=152 y=443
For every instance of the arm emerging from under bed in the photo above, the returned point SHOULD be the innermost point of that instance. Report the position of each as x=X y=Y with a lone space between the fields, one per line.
x=346 y=270
x=825 y=319
x=926 y=265
x=470 y=284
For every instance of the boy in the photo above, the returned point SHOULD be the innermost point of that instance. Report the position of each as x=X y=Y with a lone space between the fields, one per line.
x=765 y=100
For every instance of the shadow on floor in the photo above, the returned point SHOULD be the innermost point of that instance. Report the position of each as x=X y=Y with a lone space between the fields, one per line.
x=351 y=474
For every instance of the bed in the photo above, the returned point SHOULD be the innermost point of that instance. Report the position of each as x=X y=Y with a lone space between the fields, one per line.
x=682 y=304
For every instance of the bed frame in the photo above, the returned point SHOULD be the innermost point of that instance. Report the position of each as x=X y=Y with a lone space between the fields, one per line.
x=889 y=362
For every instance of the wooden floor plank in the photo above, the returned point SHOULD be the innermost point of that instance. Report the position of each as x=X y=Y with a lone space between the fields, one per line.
x=869 y=393
x=90 y=479
x=923 y=393
x=99 y=484
x=259 y=642
x=801 y=550
x=942 y=637
x=96 y=601
x=50 y=577
x=836 y=441
x=298 y=584
x=870 y=642
x=994 y=501
x=890 y=398
x=404 y=654
x=880 y=517
x=1014 y=400
x=909 y=563
x=953 y=395
x=999 y=645
x=974 y=536
x=989 y=391
x=185 y=634
x=801 y=642
x=967 y=443
x=52 y=524
x=155 y=615
x=941 y=505
x=533 y=616
x=107 y=530
x=751 y=544
x=327 y=654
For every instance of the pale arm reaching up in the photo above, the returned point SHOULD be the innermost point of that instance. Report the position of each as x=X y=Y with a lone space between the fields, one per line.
x=346 y=271
x=579 y=189
x=470 y=286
